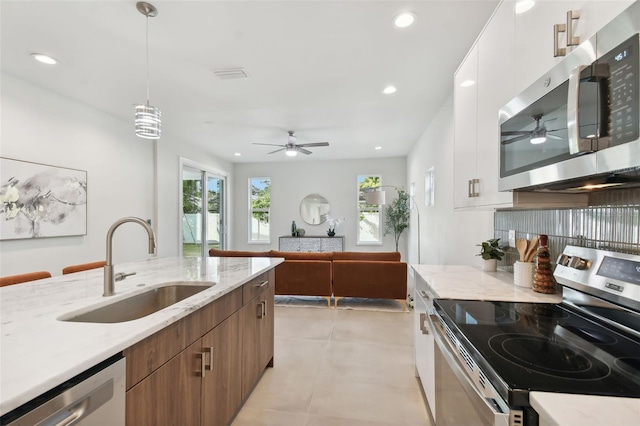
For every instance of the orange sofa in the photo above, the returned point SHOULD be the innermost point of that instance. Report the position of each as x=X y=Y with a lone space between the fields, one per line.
x=376 y=275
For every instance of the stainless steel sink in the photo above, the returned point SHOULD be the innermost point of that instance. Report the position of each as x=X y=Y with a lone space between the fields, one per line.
x=139 y=305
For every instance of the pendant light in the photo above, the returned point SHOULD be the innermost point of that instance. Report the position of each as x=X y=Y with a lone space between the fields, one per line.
x=147 y=120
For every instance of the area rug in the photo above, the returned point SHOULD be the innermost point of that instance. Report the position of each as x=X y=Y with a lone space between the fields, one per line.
x=386 y=305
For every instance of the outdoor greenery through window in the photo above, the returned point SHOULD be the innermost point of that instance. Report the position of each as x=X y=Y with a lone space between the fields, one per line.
x=369 y=215
x=260 y=204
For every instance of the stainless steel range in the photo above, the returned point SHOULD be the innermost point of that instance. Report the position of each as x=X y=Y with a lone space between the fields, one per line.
x=491 y=355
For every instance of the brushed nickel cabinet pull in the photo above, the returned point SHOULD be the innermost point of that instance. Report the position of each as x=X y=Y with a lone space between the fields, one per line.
x=423 y=328
x=210 y=358
x=571 y=16
x=262 y=284
x=203 y=363
x=557 y=50
x=264 y=308
x=476 y=187
x=470 y=188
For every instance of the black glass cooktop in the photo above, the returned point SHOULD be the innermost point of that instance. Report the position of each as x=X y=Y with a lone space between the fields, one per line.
x=524 y=347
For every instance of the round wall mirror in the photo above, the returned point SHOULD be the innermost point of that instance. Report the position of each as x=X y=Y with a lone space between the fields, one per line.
x=314 y=209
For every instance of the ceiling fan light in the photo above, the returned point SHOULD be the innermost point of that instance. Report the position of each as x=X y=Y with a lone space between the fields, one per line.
x=291 y=152
x=535 y=140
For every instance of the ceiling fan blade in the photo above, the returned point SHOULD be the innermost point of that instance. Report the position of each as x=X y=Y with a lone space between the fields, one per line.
x=277 y=150
x=519 y=132
x=314 y=144
x=269 y=144
x=553 y=136
x=304 y=151
x=516 y=139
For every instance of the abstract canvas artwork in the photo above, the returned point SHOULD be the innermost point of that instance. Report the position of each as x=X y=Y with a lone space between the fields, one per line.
x=38 y=201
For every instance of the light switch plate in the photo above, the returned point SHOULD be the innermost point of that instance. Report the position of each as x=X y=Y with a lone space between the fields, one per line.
x=512 y=238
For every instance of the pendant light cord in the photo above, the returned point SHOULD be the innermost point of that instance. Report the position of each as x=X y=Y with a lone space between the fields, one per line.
x=147 y=48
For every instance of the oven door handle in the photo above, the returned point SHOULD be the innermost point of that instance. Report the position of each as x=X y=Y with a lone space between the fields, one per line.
x=470 y=388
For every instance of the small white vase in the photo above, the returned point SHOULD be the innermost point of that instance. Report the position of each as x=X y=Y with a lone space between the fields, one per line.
x=490 y=265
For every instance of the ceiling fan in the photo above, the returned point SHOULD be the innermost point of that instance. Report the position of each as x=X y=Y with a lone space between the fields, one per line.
x=536 y=136
x=292 y=148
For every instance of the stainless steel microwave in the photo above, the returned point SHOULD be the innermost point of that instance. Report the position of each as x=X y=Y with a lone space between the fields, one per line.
x=578 y=126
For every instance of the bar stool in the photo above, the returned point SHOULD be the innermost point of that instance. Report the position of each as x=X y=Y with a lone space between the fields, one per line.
x=23 y=278
x=83 y=267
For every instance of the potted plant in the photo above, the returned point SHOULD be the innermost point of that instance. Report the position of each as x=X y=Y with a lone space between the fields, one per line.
x=491 y=252
x=397 y=216
x=333 y=224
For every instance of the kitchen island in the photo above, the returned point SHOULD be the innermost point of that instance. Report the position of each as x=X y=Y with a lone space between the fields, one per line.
x=470 y=283
x=39 y=351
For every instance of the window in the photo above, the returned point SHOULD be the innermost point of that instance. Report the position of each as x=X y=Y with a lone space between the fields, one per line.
x=429 y=189
x=259 y=206
x=202 y=229
x=369 y=215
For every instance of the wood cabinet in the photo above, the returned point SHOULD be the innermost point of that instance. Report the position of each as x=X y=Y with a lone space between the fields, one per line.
x=258 y=335
x=221 y=384
x=193 y=372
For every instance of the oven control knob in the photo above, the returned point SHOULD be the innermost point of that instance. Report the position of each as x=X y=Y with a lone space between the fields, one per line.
x=579 y=263
x=563 y=260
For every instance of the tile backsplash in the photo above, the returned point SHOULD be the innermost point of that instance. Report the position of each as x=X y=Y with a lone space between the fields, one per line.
x=611 y=222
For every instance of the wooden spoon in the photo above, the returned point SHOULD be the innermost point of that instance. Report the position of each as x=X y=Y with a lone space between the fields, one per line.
x=531 y=249
x=521 y=246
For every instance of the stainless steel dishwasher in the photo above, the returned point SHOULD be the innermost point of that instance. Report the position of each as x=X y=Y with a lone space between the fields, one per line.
x=93 y=398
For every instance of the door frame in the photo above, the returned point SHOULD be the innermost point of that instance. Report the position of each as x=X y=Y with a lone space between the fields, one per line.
x=207 y=172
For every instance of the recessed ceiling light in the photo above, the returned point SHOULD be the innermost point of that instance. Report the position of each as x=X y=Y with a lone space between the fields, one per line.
x=378 y=148
x=524 y=5
x=237 y=154
x=404 y=19
x=389 y=90
x=45 y=59
x=467 y=83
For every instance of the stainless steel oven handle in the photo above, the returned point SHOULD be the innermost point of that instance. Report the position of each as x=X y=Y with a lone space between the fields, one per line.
x=458 y=370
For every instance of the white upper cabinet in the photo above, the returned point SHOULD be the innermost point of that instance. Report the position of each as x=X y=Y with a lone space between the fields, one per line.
x=534 y=32
x=496 y=74
x=465 y=107
x=534 y=39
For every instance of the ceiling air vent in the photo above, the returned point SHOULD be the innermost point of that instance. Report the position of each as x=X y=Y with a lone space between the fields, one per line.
x=231 y=73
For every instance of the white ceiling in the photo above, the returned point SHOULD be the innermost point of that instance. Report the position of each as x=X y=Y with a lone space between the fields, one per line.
x=316 y=67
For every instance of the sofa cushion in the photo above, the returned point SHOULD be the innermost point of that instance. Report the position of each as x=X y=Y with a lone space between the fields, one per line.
x=304 y=278
x=390 y=256
x=237 y=253
x=294 y=255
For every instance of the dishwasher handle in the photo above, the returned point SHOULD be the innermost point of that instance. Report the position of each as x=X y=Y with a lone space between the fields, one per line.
x=86 y=405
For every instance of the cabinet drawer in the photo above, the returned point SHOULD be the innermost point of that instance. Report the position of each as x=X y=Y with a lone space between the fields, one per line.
x=257 y=285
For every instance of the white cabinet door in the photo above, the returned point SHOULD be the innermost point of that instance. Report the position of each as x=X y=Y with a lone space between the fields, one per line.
x=496 y=74
x=596 y=14
x=465 y=100
x=534 y=40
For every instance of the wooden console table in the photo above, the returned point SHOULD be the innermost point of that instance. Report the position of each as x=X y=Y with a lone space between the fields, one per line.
x=311 y=243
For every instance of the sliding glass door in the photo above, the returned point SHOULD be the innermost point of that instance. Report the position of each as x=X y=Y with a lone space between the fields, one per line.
x=203 y=211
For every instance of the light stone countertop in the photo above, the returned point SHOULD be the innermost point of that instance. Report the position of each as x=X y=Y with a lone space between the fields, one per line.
x=467 y=282
x=39 y=352
x=561 y=409
x=470 y=283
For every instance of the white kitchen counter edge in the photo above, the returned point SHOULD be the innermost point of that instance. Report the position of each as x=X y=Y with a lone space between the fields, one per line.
x=38 y=352
x=467 y=282
x=561 y=409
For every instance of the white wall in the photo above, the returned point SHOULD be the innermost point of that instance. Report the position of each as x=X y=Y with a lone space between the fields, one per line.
x=448 y=236
x=43 y=127
x=292 y=180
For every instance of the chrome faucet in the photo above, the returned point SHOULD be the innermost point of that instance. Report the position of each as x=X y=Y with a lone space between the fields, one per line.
x=109 y=277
